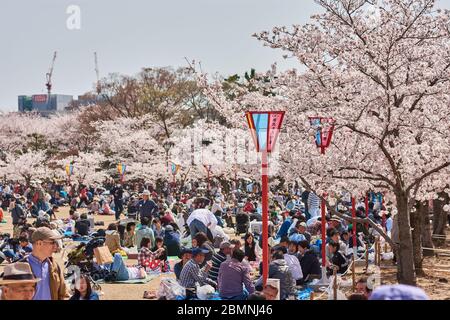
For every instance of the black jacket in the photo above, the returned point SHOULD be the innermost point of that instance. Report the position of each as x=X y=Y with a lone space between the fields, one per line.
x=310 y=264
x=340 y=261
x=278 y=269
x=17 y=214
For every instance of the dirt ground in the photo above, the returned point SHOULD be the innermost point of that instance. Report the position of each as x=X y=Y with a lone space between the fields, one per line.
x=109 y=291
x=435 y=282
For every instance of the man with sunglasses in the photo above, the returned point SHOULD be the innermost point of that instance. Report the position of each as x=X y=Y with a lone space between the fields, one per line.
x=52 y=285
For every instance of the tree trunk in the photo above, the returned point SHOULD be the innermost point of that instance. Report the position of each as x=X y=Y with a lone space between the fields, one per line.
x=427 y=240
x=439 y=217
x=416 y=217
x=405 y=262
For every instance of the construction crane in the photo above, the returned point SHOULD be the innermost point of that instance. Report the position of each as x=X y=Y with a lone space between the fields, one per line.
x=97 y=72
x=49 y=77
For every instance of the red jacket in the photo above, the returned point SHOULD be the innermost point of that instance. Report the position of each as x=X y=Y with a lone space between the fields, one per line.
x=249 y=207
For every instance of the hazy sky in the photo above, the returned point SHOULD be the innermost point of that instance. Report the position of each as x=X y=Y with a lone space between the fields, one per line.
x=129 y=35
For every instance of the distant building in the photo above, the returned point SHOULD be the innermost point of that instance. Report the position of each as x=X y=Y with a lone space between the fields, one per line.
x=56 y=104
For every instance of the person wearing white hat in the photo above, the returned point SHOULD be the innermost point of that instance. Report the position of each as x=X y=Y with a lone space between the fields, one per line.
x=18 y=282
x=147 y=207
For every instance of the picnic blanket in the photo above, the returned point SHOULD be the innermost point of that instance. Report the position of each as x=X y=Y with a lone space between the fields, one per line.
x=134 y=281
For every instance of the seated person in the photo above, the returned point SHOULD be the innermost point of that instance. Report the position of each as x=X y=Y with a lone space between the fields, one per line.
x=160 y=247
x=185 y=256
x=106 y=209
x=172 y=241
x=362 y=287
x=251 y=248
x=52 y=212
x=112 y=239
x=82 y=226
x=146 y=256
x=337 y=259
x=201 y=241
x=193 y=273
x=130 y=235
x=279 y=269
x=334 y=236
x=308 y=261
x=133 y=206
x=25 y=247
x=145 y=231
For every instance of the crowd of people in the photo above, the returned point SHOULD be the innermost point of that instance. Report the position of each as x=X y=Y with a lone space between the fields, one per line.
x=215 y=232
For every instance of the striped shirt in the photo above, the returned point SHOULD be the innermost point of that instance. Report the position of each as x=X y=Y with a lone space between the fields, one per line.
x=191 y=274
x=217 y=260
x=313 y=201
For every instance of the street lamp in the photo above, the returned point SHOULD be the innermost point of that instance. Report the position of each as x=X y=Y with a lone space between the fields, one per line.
x=324 y=131
x=167 y=146
x=264 y=128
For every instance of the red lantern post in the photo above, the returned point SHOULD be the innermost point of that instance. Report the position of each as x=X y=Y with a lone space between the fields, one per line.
x=323 y=140
x=264 y=128
x=354 y=224
x=323 y=232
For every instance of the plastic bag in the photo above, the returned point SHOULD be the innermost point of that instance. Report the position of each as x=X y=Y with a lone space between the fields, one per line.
x=387 y=256
x=170 y=289
x=205 y=292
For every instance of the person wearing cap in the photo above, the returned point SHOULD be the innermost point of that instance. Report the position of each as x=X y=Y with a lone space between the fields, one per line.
x=172 y=240
x=233 y=276
x=18 y=282
x=185 y=255
x=192 y=273
x=147 y=207
x=43 y=266
x=218 y=258
x=279 y=269
x=302 y=229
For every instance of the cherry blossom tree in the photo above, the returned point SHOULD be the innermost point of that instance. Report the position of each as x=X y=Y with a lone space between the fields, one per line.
x=132 y=141
x=229 y=151
x=87 y=168
x=25 y=167
x=381 y=70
